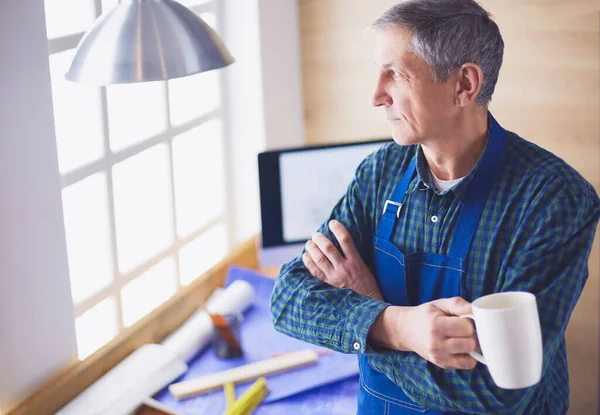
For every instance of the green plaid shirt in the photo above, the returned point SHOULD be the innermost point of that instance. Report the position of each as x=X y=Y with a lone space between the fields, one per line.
x=535 y=234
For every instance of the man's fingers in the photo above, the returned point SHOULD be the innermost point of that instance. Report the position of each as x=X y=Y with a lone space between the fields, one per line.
x=328 y=249
x=312 y=267
x=460 y=345
x=455 y=326
x=319 y=257
x=455 y=306
x=462 y=361
x=344 y=238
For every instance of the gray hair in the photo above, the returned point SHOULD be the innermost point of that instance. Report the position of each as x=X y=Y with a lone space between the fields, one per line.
x=449 y=33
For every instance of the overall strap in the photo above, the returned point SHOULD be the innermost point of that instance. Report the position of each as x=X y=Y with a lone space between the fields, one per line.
x=392 y=207
x=478 y=191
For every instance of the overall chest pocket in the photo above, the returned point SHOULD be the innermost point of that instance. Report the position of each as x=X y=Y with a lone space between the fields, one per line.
x=414 y=279
x=430 y=277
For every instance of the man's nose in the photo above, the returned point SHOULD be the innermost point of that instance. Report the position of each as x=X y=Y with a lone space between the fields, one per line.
x=380 y=96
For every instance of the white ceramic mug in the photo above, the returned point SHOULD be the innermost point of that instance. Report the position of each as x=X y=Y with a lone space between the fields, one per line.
x=509 y=333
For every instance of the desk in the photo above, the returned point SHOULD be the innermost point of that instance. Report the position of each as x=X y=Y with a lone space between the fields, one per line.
x=259 y=340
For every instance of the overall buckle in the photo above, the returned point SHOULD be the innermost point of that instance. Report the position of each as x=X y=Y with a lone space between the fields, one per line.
x=391 y=202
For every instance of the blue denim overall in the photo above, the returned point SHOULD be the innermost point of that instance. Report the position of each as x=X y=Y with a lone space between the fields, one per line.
x=413 y=279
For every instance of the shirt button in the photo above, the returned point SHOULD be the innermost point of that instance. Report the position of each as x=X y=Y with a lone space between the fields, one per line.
x=434 y=219
x=356 y=346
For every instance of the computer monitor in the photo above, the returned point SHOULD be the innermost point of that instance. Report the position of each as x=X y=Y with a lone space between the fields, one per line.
x=298 y=189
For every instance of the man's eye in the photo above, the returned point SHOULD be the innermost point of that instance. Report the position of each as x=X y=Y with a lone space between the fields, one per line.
x=396 y=76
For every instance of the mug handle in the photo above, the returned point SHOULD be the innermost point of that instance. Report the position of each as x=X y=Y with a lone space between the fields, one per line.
x=477 y=356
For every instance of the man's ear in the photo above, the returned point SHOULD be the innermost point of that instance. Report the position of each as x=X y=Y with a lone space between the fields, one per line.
x=468 y=84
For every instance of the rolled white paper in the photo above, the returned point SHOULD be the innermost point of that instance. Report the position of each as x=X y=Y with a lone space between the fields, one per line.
x=236 y=298
x=197 y=331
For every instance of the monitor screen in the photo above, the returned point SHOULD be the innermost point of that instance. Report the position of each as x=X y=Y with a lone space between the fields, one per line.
x=298 y=189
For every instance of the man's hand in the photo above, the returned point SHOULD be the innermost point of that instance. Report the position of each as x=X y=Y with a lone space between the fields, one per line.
x=434 y=331
x=325 y=262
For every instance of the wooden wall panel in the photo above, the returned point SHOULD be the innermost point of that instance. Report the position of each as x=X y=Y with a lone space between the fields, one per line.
x=548 y=92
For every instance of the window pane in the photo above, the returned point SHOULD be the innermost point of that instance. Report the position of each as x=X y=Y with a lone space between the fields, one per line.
x=202 y=253
x=143 y=211
x=77 y=116
x=193 y=96
x=87 y=230
x=148 y=291
x=198 y=163
x=135 y=112
x=96 y=327
x=65 y=17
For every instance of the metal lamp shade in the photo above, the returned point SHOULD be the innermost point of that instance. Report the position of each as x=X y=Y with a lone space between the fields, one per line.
x=146 y=40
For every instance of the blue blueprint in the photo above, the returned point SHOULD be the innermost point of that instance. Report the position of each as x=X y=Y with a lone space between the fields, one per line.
x=328 y=387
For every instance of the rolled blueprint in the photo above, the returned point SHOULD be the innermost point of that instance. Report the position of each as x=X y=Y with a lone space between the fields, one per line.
x=197 y=331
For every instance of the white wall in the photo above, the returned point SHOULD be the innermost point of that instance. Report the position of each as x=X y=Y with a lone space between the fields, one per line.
x=37 y=334
x=281 y=73
x=264 y=95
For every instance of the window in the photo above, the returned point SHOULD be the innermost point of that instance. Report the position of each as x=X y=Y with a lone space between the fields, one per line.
x=143 y=181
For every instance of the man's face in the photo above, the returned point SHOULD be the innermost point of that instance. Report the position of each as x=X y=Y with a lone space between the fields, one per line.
x=418 y=109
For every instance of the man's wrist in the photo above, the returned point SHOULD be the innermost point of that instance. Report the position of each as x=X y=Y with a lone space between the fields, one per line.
x=385 y=333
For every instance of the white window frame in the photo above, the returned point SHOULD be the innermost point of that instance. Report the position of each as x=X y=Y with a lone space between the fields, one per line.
x=111 y=158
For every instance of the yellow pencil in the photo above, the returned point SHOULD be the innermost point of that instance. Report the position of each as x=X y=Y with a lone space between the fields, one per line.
x=229 y=394
x=249 y=399
x=255 y=401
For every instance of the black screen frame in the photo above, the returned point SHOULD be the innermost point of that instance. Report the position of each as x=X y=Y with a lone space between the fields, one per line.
x=270 y=188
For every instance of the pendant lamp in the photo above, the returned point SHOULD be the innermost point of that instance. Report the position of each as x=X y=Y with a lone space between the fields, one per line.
x=146 y=40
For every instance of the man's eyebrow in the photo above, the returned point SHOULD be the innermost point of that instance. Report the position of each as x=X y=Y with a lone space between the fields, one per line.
x=385 y=65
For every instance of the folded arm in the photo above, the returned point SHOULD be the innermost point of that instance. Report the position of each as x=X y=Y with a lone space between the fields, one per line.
x=309 y=309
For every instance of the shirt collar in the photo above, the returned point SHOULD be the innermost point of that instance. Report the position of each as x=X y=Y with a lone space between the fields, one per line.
x=423 y=179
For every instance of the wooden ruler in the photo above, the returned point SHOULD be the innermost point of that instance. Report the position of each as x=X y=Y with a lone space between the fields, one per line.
x=244 y=373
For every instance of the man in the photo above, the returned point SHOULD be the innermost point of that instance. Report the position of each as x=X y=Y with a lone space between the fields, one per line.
x=455 y=209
